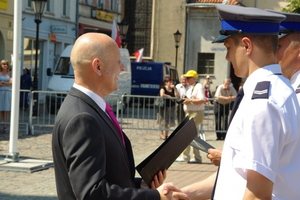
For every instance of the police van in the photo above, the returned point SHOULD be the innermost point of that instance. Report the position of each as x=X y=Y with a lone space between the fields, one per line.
x=148 y=78
x=62 y=80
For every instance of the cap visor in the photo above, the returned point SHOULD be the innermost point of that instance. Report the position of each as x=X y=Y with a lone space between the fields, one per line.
x=282 y=35
x=221 y=38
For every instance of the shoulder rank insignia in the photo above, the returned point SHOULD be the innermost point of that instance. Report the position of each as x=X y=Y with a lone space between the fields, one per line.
x=261 y=90
x=298 y=89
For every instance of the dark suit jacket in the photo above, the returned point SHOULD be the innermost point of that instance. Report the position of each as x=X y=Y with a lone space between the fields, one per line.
x=90 y=160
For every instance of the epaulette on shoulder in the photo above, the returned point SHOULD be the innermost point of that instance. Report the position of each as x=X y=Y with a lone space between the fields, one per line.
x=261 y=90
x=298 y=89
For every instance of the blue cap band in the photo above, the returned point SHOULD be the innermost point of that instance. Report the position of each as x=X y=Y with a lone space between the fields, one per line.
x=251 y=27
x=290 y=25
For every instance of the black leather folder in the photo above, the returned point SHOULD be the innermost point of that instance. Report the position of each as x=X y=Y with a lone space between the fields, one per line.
x=163 y=157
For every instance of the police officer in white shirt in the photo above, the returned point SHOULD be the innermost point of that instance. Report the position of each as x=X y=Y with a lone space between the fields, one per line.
x=260 y=157
x=288 y=53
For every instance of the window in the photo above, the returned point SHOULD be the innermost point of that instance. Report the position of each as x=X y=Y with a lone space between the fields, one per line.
x=113 y=5
x=139 y=13
x=206 y=63
x=107 y=4
x=100 y=4
x=29 y=4
x=49 y=7
x=29 y=53
x=66 y=7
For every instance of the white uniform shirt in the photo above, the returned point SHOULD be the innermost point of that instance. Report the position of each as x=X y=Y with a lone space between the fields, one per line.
x=263 y=137
x=295 y=82
x=195 y=91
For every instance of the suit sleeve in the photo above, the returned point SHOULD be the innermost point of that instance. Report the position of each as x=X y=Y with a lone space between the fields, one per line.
x=85 y=153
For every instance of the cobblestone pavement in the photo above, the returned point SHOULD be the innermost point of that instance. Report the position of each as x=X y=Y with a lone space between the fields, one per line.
x=41 y=184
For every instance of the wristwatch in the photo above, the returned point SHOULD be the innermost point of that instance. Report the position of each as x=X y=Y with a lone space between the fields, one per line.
x=2 y=82
x=191 y=101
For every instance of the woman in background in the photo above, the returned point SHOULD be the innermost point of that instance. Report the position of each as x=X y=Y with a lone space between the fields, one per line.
x=5 y=93
x=167 y=114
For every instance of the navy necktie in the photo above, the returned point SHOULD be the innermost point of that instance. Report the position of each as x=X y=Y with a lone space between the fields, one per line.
x=235 y=106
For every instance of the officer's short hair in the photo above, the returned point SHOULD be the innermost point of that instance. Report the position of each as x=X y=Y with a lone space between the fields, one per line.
x=268 y=43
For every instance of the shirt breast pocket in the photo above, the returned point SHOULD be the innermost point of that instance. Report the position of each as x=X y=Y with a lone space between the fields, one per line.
x=235 y=141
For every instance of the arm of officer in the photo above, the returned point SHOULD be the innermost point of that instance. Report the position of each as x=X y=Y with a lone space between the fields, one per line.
x=197 y=191
x=258 y=187
x=169 y=191
x=201 y=190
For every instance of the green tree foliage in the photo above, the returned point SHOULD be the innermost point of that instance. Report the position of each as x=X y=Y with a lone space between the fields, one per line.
x=292 y=7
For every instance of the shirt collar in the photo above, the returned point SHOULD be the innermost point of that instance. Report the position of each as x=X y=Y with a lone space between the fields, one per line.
x=260 y=75
x=295 y=79
x=95 y=97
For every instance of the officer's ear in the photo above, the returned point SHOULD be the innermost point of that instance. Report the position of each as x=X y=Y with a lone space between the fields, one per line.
x=247 y=44
x=298 y=49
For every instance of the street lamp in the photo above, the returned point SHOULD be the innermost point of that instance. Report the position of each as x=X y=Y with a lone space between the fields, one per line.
x=123 y=27
x=177 y=37
x=38 y=7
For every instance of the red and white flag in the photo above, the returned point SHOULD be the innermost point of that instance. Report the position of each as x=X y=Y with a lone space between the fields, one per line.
x=115 y=35
x=139 y=55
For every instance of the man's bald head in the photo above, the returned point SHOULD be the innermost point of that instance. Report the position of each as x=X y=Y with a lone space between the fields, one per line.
x=89 y=46
x=95 y=58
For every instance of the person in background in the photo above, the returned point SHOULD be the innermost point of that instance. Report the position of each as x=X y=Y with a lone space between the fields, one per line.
x=206 y=86
x=166 y=113
x=5 y=93
x=26 y=84
x=224 y=95
x=92 y=156
x=180 y=92
x=194 y=108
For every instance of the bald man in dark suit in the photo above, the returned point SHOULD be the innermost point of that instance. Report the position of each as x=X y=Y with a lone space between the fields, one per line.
x=92 y=159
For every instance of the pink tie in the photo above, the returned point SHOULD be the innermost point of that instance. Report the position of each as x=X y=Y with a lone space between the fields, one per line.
x=113 y=118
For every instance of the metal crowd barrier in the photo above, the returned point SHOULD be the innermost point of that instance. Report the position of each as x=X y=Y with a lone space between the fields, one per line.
x=141 y=113
x=132 y=112
x=142 y=107
x=23 y=112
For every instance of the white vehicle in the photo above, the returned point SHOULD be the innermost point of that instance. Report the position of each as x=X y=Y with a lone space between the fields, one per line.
x=62 y=80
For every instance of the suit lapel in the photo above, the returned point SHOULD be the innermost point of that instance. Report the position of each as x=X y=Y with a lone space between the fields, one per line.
x=77 y=93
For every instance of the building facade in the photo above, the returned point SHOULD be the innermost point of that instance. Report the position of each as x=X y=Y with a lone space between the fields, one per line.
x=56 y=31
x=152 y=24
x=202 y=27
x=62 y=22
